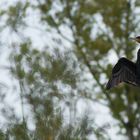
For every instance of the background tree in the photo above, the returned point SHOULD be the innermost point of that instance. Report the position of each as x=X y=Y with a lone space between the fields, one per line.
x=73 y=65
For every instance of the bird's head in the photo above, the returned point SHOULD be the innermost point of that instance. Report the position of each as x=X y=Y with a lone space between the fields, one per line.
x=136 y=39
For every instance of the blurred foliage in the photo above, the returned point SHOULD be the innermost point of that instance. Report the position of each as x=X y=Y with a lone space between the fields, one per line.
x=54 y=79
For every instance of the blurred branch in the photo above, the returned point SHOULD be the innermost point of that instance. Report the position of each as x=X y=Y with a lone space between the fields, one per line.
x=21 y=98
x=76 y=41
x=21 y=93
x=113 y=41
x=63 y=36
x=88 y=64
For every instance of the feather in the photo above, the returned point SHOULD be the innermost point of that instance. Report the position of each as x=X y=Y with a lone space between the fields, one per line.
x=123 y=71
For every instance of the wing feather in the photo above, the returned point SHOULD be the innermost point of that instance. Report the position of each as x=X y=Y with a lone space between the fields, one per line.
x=123 y=71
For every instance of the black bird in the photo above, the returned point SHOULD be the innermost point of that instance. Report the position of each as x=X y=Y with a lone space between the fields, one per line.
x=126 y=71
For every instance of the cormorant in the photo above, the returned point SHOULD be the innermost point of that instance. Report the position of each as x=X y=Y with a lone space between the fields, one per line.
x=126 y=71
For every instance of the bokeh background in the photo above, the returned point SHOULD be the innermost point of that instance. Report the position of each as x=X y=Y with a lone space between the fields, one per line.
x=56 y=57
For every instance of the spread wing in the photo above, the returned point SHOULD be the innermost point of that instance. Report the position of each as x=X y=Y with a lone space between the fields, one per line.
x=123 y=71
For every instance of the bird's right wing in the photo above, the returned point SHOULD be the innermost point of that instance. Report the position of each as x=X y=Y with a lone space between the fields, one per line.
x=123 y=72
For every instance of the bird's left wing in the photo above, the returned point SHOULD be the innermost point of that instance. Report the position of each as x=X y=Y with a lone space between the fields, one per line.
x=124 y=71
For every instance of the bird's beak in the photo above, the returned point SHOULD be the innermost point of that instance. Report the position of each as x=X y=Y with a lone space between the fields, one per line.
x=133 y=38
x=136 y=39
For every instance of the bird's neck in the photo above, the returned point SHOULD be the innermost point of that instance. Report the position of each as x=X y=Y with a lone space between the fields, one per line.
x=138 y=57
x=138 y=63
